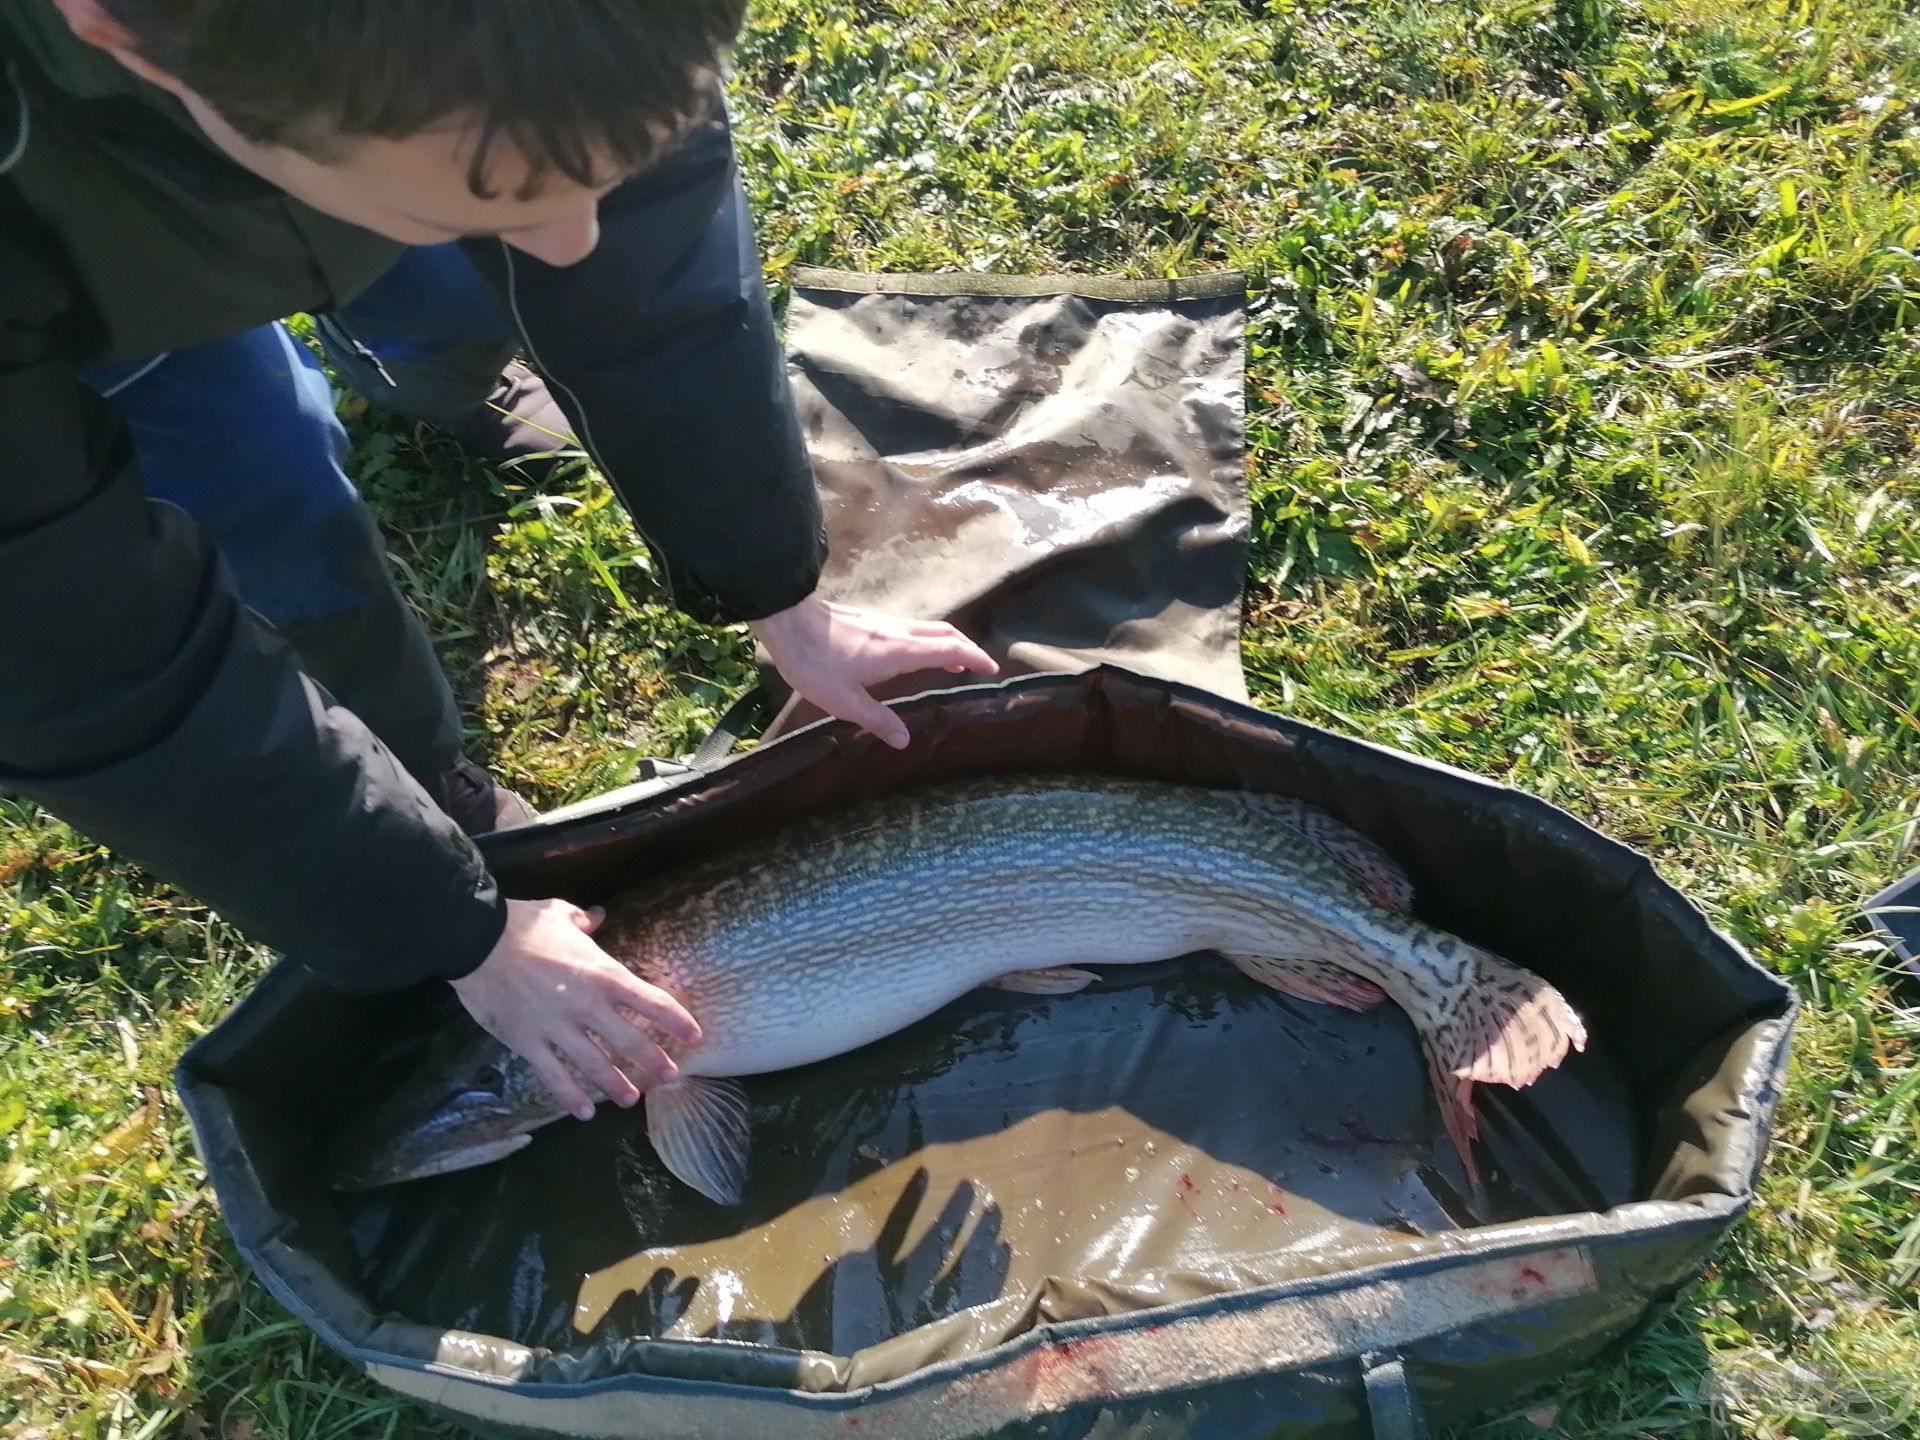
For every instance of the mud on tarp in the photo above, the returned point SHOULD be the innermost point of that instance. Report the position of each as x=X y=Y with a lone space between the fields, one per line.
x=1172 y=1205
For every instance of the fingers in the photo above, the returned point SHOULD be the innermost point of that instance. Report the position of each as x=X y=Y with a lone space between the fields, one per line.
x=860 y=708
x=901 y=643
x=557 y=999
x=852 y=703
x=920 y=645
x=594 y=1065
x=855 y=649
x=555 y=1078
x=961 y=654
x=955 y=652
x=632 y=1048
x=649 y=1002
x=948 y=650
x=601 y=1047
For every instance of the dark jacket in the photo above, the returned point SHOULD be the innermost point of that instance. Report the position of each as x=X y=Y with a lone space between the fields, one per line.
x=139 y=700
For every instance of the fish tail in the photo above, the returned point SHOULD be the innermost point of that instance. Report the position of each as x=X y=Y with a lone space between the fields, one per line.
x=1455 y=1097
x=1507 y=1027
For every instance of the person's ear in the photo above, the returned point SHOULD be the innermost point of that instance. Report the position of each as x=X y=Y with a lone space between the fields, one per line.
x=89 y=20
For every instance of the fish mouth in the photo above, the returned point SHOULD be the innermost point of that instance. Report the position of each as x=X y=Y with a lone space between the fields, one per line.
x=434 y=1136
x=355 y=1172
x=468 y=1119
x=359 y=1170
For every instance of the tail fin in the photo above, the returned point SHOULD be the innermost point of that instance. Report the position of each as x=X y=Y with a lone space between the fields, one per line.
x=1455 y=1097
x=1509 y=1027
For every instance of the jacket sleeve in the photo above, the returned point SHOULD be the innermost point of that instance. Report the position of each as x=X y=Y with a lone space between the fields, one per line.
x=143 y=704
x=661 y=348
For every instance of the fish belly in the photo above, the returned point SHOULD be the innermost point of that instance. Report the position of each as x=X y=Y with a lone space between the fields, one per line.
x=837 y=1000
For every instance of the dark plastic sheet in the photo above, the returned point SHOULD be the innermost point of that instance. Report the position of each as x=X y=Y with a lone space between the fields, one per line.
x=1163 y=1138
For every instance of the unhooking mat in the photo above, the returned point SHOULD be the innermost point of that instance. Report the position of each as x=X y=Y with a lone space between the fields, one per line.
x=1173 y=1205
x=1056 y=466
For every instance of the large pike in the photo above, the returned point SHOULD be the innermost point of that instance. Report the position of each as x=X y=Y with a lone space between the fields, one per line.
x=845 y=929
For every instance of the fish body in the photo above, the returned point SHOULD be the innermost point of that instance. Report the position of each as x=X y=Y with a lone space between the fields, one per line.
x=848 y=928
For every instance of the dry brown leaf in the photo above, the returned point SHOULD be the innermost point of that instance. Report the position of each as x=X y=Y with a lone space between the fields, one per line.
x=32 y=1367
x=121 y=1141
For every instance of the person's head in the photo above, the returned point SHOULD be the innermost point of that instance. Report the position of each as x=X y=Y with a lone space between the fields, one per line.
x=426 y=120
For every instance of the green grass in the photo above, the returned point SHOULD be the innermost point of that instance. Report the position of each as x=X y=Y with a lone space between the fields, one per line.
x=1584 y=396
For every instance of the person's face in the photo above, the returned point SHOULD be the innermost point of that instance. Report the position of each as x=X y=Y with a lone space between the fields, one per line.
x=412 y=190
x=415 y=190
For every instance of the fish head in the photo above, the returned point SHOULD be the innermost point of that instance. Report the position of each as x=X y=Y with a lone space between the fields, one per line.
x=470 y=1102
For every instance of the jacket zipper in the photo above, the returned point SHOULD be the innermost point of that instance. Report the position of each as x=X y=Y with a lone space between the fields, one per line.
x=586 y=428
x=14 y=151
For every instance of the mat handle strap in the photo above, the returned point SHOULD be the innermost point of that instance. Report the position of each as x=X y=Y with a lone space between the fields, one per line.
x=750 y=709
x=1392 y=1406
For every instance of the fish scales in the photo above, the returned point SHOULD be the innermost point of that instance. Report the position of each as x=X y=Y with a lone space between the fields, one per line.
x=847 y=928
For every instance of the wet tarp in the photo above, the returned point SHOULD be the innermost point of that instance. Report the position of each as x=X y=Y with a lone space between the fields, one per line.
x=1057 y=466
x=1173 y=1205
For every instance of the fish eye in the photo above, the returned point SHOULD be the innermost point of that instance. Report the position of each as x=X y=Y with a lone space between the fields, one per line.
x=480 y=1097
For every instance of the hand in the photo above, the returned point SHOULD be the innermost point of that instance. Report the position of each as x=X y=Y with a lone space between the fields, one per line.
x=547 y=991
x=831 y=653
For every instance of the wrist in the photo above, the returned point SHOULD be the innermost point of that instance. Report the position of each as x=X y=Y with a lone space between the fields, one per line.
x=475 y=945
x=782 y=620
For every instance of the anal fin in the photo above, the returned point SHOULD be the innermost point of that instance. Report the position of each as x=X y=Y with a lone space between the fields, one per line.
x=1052 y=980
x=1320 y=981
x=700 y=1127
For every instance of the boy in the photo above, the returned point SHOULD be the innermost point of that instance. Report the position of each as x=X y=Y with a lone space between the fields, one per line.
x=203 y=661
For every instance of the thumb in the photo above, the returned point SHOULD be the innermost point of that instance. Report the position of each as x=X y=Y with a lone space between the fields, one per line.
x=590 y=919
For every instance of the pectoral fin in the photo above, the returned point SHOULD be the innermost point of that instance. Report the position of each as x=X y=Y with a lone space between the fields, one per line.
x=1055 y=980
x=699 y=1127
